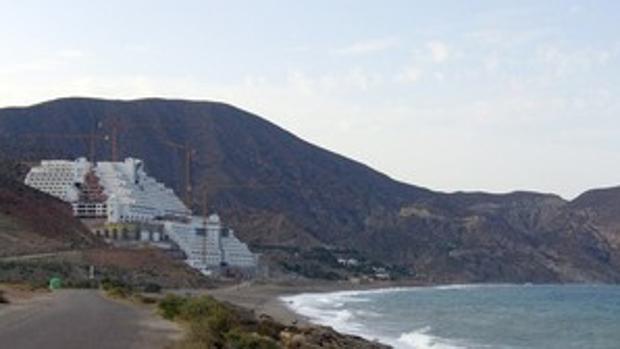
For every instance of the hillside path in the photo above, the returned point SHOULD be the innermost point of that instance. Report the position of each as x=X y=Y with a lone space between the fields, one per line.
x=78 y=319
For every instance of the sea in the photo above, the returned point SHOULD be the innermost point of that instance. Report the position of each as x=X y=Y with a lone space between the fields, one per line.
x=472 y=316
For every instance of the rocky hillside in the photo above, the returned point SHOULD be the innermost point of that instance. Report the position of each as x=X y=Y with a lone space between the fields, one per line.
x=287 y=196
x=32 y=222
x=601 y=208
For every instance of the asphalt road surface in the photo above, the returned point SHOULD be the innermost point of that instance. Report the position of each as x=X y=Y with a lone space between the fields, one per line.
x=78 y=319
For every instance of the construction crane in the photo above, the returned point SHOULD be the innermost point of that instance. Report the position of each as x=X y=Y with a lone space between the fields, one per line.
x=115 y=127
x=188 y=153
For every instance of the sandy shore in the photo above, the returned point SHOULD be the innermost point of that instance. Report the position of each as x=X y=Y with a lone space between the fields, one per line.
x=265 y=298
x=262 y=299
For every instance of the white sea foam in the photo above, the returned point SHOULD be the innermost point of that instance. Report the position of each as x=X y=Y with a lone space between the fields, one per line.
x=456 y=317
x=324 y=309
x=458 y=287
x=329 y=309
x=422 y=339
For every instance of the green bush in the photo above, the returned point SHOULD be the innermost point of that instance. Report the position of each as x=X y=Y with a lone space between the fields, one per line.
x=209 y=321
x=108 y=284
x=222 y=320
x=116 y=288
x=216 y=325
x=170 y=307
x=118 y=292
x=200 y=307
x=242 y=340
x=270 y=328
x=202 y=335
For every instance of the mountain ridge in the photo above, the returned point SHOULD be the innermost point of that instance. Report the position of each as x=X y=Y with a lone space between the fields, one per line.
x=278 y=190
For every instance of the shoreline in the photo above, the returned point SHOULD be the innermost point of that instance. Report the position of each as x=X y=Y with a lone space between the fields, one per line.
x=265 y=298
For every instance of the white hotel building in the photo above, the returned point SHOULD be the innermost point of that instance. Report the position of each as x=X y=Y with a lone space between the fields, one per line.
x=119 y=201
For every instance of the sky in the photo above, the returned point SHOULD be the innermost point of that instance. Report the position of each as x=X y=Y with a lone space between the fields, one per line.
x=451 y=95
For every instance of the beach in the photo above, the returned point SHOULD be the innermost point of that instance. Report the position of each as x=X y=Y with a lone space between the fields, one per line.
x=265 y=298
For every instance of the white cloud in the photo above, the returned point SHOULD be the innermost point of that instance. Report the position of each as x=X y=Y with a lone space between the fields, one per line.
x=367 y=46
x=439 y=51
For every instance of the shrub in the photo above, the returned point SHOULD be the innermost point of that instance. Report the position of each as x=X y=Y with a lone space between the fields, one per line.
x=108 y=284
x=118 y=292
x=210 y=319
x=200 y=332
x=222 y=320
x=170 y=307
x=270 y=328
x=242 y=340
x=200 y=307
x=216 y=325
x=116 y=288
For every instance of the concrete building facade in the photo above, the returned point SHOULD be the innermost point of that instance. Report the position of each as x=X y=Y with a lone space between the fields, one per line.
x=118 y=201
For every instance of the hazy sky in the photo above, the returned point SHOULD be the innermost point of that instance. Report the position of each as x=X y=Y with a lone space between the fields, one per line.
x=451 y=95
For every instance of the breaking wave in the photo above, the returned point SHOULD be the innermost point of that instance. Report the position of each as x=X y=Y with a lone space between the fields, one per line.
x=422 y=339
x=327 y=309
x=330 y=309
x=472 y=316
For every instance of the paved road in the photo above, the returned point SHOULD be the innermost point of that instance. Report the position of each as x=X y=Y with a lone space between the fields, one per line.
x=74 y=319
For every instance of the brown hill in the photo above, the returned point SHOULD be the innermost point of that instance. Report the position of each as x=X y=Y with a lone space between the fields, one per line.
x=287 y=196
x=601 y=208
x=33 y=222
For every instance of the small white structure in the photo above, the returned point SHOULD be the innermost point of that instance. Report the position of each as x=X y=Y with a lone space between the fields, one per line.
x=122 y=194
